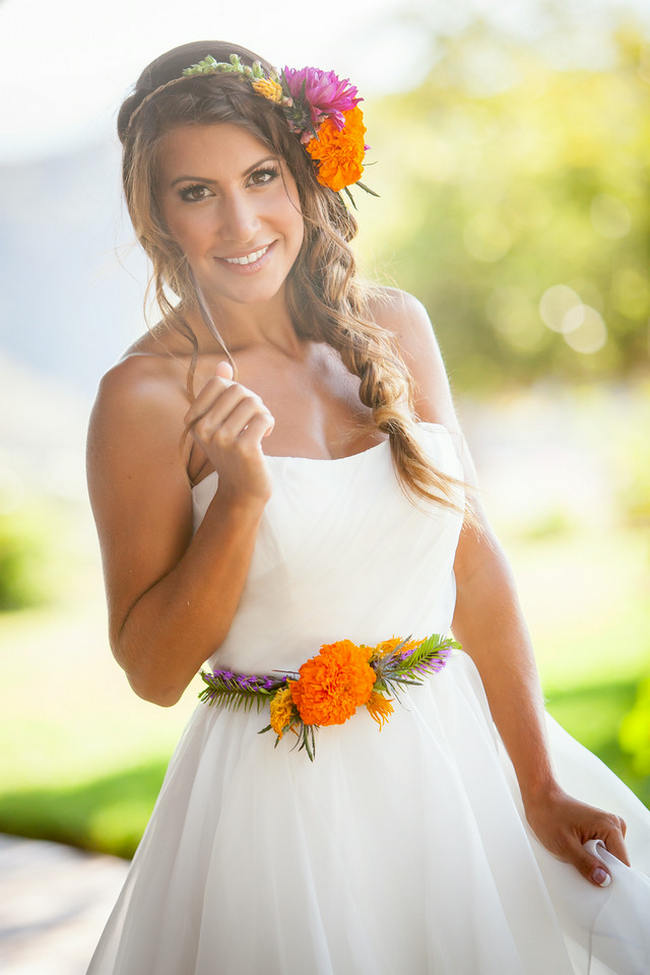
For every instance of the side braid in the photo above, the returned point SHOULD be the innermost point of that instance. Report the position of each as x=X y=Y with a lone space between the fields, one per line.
x=328 y=303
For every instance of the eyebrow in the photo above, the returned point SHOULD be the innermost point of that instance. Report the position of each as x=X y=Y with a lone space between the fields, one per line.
x=202 y=179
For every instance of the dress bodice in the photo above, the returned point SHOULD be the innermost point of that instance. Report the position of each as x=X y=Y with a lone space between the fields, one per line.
x=342 y=553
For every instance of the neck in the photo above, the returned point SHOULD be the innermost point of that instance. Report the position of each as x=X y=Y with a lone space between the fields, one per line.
x=244 y=326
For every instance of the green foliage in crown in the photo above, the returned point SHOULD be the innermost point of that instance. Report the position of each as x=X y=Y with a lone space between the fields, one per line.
x=234 y=65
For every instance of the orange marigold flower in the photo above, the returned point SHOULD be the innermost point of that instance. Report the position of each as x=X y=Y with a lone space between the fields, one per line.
x=379 y=707
x=333 y=684
x=339 y=152
x=282 y=711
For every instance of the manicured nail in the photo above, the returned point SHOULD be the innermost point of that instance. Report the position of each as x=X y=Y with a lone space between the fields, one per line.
x=601 y=877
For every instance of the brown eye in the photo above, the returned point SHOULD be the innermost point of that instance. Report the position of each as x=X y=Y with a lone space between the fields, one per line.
x=193 y=193
x=262 y=176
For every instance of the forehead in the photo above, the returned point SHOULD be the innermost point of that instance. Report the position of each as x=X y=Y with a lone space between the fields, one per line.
x=219 y=146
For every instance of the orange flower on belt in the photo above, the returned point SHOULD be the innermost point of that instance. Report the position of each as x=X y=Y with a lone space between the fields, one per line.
x=388 y=646
x=379 y=707
x=333 y=684
x=339 y=152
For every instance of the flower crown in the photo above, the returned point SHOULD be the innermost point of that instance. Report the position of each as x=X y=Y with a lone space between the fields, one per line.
x=320 y=108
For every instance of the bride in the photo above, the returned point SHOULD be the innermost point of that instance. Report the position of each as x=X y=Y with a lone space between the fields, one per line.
x=277 y=466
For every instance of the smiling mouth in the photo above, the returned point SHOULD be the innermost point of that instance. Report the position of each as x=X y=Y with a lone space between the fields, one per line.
x=249 y=258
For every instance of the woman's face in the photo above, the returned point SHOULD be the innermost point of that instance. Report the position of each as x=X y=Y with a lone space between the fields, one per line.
x=233 y=208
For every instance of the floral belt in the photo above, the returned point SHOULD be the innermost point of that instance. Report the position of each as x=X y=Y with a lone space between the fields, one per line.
x=330 y=686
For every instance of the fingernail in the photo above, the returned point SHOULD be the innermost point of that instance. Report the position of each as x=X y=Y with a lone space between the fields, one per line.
x=601 y=877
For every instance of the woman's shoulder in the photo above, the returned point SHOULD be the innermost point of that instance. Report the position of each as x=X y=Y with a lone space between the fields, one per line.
x=406 y=318
x=136 y=426
x=152 y=369
x=395 y=309
x=141 y=396
x=143 y=378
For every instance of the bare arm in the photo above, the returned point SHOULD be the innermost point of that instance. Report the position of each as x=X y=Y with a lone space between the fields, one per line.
x=489 y=624
x=171 y=597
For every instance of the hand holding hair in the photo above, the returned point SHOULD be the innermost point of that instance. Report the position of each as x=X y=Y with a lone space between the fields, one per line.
x=229 y=421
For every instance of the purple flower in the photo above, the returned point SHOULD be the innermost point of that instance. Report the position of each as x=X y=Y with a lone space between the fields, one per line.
x=225 y=674
x=438 y=663
x=325 y=93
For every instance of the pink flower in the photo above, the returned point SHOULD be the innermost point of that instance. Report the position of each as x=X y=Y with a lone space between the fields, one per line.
x=325 y=94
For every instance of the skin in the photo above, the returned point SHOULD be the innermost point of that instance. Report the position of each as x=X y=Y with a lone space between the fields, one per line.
x=172 y=595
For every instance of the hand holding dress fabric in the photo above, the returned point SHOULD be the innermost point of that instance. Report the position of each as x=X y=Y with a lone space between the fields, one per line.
x=564 y=824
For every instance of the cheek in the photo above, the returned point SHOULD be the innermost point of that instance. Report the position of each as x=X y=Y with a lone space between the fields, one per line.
x=294 y=223
x=300 y=234
x=190 y=228
x=296 y=218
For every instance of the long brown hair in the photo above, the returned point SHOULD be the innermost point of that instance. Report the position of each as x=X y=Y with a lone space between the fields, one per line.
x=327 y=301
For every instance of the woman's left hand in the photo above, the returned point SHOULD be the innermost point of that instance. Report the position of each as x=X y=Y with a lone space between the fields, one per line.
x=563 y=824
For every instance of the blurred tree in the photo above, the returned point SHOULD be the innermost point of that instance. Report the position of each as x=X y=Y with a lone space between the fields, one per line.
x=515 y=205
x=634 y=732
x=22 y=554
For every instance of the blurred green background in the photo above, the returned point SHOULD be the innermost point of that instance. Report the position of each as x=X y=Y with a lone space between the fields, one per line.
x=514 y=191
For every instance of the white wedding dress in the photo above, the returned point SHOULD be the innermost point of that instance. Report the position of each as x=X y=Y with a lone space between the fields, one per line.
x=404 y=850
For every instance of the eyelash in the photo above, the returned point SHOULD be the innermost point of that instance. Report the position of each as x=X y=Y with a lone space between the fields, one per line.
x=186 y=193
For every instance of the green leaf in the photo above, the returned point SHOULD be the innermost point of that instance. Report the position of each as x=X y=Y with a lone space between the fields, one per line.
x=311 y=748
x=367 y=189
x=346 y=190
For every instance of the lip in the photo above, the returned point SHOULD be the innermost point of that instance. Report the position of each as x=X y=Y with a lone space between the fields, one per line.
x=247 y=268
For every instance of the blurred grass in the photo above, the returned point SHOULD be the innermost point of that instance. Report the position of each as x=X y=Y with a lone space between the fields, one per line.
x=593 y=714
x=30 y=574
x=108 y=813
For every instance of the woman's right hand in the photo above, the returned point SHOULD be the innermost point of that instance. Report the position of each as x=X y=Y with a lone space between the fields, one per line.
x=229 y=421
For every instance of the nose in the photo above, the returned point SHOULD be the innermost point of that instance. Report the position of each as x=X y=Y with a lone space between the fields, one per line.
x=239 y=218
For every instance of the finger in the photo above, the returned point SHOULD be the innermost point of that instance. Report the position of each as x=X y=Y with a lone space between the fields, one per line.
x=215 y=387
x=224 y=373
x=613 y=840
x=249 y=407
x=591 y=868
x=256 y=429
x=224 y=369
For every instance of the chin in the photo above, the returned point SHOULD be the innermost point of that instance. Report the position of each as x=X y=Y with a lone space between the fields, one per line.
x=244 y=292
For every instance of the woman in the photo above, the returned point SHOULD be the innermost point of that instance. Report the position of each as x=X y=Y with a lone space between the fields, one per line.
x=277 y=467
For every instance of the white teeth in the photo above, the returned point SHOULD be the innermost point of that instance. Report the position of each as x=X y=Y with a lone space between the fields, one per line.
x=249 y=259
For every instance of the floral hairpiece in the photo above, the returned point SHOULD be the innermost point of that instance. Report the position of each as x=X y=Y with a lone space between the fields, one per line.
x=330 y=686
x=320 y=108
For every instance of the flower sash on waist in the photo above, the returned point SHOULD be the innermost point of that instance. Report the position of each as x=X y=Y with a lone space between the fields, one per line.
x=330 y=686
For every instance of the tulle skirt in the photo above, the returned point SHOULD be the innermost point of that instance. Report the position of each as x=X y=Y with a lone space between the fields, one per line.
x=400 y=850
